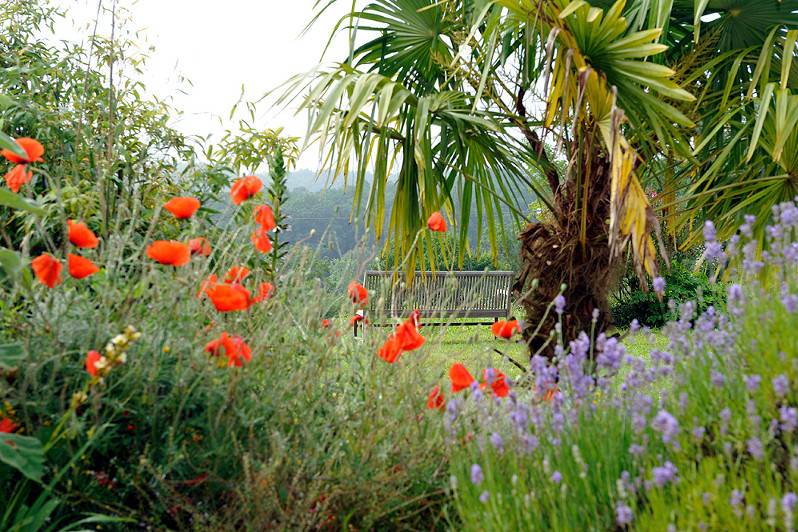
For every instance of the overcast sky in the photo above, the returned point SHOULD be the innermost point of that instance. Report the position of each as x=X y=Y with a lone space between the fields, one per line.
x=219 y=45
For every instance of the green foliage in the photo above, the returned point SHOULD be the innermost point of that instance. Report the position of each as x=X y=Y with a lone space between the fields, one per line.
x=682 y=283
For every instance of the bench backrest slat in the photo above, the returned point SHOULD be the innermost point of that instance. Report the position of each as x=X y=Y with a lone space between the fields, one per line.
x=441 y=294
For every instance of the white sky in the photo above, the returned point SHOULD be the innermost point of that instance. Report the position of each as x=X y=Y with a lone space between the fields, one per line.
x=220 y=45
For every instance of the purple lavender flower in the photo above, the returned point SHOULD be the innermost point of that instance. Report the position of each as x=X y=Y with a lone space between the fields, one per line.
x=559 y=304
x=497 y=442
x=484 y=496
x=788 y=502
x=556 y=477
x=789 y=418
x=667 y=425
x=714 y=251
x=754 y=446
x=659 y=285
x=476 y=475
x=634 y=326
x=710 y=234
x=736 y=499
x=698 y=433
x=781 y=385
x=663 y=475
x=636 y=449
x=752 y=382
x=717 y=378
x=790 y=302
x=623 y=514
x=490 y=375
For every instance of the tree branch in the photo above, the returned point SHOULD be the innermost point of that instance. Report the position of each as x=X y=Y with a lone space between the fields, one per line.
x=552 y=175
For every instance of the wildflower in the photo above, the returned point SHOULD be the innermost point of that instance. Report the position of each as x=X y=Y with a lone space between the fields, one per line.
x=6 y=425
x=261 y=241
x=47 y=269
x=736 y=501
x=229 y=298
x=236 y=274
x=498 y=383
x=781 y=385
x=663 y=475
x=265 y=290
x=244 y=188
x=435 y=399
x=659 y=285
x=356 y=318
x=357 y=293
x=199 y=246
x=623 y=514
x=665 y=424
x=81 y=236
x=80 y=267
x=264 y=217
x=19 y=175
x=634 y=326
x=391 y=349
x=505 y=329
x=709 y=231
x=556 y=477
x=169 y=252
x=460 y=377
x=234 y=347
x=497 y=442
x=559 y=304
x=484 y=496
x=436 y=222
x=325 y=323
x=182 y=207
x=476 y=475
x=789 y=418
x=754 y=446
x=92 y=360
x=788 y=502
x=209 y=282
x=752 y=382
x=405 y=338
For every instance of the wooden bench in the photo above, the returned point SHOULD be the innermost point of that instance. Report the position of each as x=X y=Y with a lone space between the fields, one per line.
x=468 y=297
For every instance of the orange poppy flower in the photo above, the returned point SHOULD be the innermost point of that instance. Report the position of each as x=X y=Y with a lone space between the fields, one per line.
x=18 y=176
x=209 y=282
x=6 y=425
x=505 y=329
x=264 y=216
x=460 y=377
x=169 y=252
x=436 y=222
x=32 y=148
x=391 y=349
x=264 y=292
x=80 y=267
x=234 y=347
x=182 y=207
x=81 y=236
x=199 y=246
x=435 y=399
x=325 y=323
x=244 y=188
x=261 y=240
x=358 y=293
x=236 y=274
x=92 y=357
x=499 y=385
x=47 y=269
x=229 y=298
x=409 y=335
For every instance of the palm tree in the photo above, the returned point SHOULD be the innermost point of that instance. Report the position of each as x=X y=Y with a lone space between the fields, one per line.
x=472 y=99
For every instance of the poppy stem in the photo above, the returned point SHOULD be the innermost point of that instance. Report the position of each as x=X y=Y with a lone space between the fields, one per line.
x=512 y=360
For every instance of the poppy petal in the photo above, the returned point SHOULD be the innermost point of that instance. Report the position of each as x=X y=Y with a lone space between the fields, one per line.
x=436 y=222
x=32 y=147
x=264 y=216
x=169 y=252
x=182 y=207
x=80 y=267
x=47 y=269
x=81 y=236
x=18 y=176
x=460 y=377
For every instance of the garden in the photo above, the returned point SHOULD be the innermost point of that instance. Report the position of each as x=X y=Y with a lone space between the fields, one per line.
x=175 y=354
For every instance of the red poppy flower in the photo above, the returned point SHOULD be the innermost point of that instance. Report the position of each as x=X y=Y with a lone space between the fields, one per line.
x=81 y=236
x=261 y=240
x=169 y=252
x=18 y=176
x=199 y=246
x=32 y=148
x=47 y=269
x=264 y=216
x=229 y=298
x=234 y=347
x=80 y=267
x=435 y=399
x=244 y=188
x=436 y=222
x=264 y=292
x=206 y=284
x=92 y=357
x=505 y=329
x=236 y=274
x=460 y=377
x=391 y=349
x=325 y=323
x=499 y=385
x=358 y=293
x=358 y=317
x=182 y=207
x=6 y=425
x=551 y=393
x=409 y=335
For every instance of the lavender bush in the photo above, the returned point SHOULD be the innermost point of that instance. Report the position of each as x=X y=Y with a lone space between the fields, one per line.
x=698 y=436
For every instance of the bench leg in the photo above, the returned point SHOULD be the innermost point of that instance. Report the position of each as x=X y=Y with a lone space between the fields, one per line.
x=355 y=328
